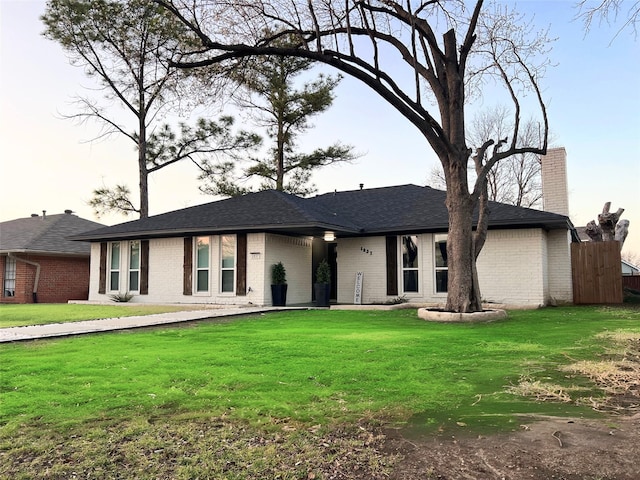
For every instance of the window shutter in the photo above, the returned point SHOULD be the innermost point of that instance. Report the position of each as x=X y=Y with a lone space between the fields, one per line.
x=144 y=267
x=102 y=285
x=187 y=281
x=241 y=264
x=392 y=266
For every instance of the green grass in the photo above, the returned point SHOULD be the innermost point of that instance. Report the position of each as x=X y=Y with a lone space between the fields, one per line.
x=315 y=367
x=41 y=314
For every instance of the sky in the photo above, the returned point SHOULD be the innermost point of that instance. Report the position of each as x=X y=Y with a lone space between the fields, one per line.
x=49 y=163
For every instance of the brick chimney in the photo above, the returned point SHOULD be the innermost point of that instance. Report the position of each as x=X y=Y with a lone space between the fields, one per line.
x=555 y=192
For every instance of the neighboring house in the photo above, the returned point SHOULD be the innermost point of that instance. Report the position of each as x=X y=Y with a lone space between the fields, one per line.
x=629 y=269
x=39 y=264
x=222 y=252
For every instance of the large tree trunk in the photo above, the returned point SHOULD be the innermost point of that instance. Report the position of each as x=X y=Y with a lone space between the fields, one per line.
x=463 y=289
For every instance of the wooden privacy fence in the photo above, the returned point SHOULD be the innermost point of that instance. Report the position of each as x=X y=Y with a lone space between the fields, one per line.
x=631 y=281
x=597 y=272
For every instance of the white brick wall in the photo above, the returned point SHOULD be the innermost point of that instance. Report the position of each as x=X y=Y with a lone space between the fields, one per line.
x=555 y=194
x=511 y=267
x=166 y=257
x=256 y=271
x=295 y=255
x=559 y=266
x=166 y=274
x=527 y=267
x=94 y=275
x=367 y=255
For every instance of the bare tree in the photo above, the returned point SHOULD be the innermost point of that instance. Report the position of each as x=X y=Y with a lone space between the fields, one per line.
x=631 y=257
x=411 y=53
x=608 y=11
x=515 y=180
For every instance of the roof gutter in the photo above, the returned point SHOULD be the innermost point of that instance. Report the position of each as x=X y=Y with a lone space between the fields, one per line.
x=36 y=280
x=43 y=252
x=180 y=232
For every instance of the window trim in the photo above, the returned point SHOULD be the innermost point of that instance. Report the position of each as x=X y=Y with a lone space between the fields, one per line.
x=131 y=270
x=233 y=269
x=111 y=270
x=197 y=269
x=404 y=269
x=437 y=238
x=9 y=261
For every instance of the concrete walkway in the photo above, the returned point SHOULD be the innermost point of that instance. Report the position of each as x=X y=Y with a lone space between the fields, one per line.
x=14 y=334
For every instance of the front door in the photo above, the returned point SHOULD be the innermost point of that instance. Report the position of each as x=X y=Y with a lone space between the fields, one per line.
x=329 y=252
x=332 y=255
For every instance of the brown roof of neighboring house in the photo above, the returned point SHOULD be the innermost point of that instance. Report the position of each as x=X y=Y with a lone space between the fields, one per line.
x=582 y=234
x=47 y=234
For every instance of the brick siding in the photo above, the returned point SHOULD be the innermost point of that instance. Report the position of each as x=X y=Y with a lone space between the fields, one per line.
x=554 y=181
x=61 y=279
x=366 y=255
x=512 y=267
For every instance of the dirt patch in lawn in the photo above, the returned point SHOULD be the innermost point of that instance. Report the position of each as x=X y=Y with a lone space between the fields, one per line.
x=543 y=449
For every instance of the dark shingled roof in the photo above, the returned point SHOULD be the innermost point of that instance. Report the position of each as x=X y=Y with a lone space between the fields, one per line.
x=48 y=234
x=405 y=208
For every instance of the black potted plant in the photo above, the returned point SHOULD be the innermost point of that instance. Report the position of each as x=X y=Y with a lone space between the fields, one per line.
x=278 y=285
x=322 y=285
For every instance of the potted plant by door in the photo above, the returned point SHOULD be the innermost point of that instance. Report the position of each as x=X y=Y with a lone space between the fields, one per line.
x=278 y=285
x=322 y=285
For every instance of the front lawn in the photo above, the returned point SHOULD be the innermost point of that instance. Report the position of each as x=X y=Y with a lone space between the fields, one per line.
x=311 y=369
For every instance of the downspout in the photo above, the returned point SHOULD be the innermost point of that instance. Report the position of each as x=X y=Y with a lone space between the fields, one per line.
x=36 y=280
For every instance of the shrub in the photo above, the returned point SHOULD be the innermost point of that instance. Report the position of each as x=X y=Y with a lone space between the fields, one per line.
x=278 y=274
x=121 y=297
x=323 y=272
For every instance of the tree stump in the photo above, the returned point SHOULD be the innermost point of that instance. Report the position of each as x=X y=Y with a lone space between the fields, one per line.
x=594 y=231
x=609 y=227
x=608 y=221
x=622 y=229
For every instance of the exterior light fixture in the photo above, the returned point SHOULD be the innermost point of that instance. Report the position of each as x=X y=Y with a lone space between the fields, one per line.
x=329 y=236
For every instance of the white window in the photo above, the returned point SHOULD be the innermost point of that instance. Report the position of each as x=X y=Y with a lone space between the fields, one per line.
x=202 y=264
x=440 y=257
x=134 y=266
x=114 y=267
x=410 y=264
x=228 y=263
x=9 y=288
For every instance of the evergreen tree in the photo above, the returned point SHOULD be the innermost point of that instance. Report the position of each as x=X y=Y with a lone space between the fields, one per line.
x=269 y=95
